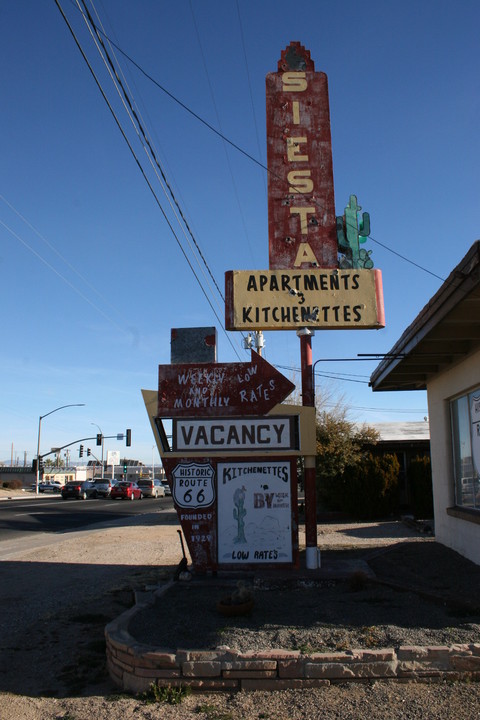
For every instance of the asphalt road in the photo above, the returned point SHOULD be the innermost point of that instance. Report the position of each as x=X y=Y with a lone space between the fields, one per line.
x=51 y=514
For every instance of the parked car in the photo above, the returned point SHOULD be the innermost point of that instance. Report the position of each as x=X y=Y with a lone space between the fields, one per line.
x=79 y=490
x=166 y=487
x=103 y=486
x=151 y=488
x=126 y=490
x=53 y=486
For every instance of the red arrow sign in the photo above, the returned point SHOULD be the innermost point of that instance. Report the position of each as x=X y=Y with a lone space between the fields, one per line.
x=216 y=389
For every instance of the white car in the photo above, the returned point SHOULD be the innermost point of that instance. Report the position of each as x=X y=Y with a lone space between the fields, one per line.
x=54 y=486
x=103 y=486
x=151 y=488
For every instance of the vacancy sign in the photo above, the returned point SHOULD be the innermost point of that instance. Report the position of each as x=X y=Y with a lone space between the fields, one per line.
x=231 y=434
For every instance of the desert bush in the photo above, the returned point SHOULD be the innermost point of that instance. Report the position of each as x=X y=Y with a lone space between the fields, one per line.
x=419 y=475
x=340 y=445
x=13 y=484
x=371 y=487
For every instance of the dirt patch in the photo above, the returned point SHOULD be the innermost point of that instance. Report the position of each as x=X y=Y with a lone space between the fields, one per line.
x=57 y=598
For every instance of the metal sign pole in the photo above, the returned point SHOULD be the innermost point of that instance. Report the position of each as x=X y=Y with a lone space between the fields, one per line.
x=308 y=399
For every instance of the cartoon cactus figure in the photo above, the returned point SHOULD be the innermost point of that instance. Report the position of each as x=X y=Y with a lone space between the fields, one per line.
x=351 y=234
x=239 y=513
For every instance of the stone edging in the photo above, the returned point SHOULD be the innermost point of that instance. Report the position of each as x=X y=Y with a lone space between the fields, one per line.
x=134 y=666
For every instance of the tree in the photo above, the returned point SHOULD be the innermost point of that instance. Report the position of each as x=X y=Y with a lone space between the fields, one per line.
x=340 y=445
x=370 y=487
x=58 y=462
x=349 y=477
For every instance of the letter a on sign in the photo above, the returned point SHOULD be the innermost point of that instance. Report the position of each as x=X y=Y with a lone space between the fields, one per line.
x=301 y=204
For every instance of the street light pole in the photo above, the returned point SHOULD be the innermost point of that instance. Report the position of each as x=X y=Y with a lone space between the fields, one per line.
x=37 y=480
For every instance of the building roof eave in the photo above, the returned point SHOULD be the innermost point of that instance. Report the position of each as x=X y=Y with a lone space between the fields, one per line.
x=445 y=331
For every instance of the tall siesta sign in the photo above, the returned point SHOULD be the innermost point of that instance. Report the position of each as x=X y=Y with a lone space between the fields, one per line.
x=319 y=276
x=301 y=206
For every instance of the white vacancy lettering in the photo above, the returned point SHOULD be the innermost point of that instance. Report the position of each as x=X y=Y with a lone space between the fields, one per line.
x=226 y=433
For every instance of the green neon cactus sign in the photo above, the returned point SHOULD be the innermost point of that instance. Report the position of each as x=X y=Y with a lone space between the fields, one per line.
x=351 y=233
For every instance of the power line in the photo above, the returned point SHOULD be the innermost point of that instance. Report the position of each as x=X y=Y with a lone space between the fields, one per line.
x=152 y=157
x=235 y=145
x=394 y=252
x=232 y=177
x=250 y=88
x=62 y=277
x=139 y=165
x=59 y=254
x=139 y=128
x=332 y=376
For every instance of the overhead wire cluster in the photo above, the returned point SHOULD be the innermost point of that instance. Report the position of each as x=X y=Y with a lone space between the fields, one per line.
x=184 y=237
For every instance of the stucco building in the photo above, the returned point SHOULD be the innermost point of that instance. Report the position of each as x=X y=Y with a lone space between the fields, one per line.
x=440 y=352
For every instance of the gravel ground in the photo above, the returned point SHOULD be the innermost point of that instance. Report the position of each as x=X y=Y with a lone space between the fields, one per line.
x=326 y=616
x=56 y=600
x=366 y=609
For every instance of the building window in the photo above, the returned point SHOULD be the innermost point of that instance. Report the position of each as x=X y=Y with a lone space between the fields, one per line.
x=465 y=413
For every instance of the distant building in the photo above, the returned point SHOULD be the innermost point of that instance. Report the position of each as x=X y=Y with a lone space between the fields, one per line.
x=93 y=469
x=440 y=352
x=406 y=440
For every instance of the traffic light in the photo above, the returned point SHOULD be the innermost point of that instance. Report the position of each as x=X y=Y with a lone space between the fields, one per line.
x=80 y=451
x=125 y=468
x=99 y=438
x=34 y=465
x=128 y=441
x=40 y=464
x=89 y=452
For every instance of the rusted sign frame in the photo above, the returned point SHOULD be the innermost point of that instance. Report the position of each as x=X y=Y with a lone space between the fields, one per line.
x=301 y=203
x=216 y=389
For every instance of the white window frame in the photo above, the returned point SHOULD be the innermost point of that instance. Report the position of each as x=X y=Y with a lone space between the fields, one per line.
x=465 y=426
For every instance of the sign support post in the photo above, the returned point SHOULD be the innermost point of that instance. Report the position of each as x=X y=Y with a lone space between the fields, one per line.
x=308 y=400
x=242 y=510
x=318 y=276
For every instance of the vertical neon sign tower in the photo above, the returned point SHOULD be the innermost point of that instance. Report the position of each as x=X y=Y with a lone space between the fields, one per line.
x=301 y=204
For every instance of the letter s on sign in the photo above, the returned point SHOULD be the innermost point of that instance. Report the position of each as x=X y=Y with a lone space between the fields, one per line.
x=300 y=181
x=294 y=82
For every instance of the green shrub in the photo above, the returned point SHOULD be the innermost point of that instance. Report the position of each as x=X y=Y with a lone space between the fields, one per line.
x=370 y=488
x=168 y=694
x=419 y=475
x=340 y=446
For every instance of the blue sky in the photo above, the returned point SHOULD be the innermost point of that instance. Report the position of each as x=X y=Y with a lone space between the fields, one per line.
x=92 y=277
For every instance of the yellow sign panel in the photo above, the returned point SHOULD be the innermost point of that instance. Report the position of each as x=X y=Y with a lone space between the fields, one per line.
x=326 y=299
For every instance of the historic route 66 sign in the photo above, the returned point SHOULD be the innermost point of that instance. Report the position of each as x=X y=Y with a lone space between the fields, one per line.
x=193 y=485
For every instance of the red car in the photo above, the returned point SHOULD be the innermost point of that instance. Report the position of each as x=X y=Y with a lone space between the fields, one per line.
x=126 y=490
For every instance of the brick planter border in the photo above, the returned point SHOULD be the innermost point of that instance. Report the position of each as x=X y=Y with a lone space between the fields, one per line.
x=134 y=666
